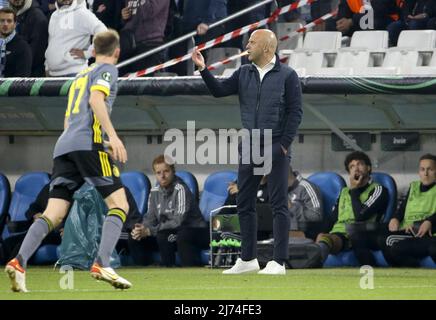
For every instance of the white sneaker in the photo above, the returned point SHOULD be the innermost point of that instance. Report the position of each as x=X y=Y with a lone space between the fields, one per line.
x=110 y=276
x=17 y=276
x=242 y=266
x=274 y=268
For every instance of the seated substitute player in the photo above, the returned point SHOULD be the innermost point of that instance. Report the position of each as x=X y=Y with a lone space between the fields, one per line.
x=79 y=156
x=411 y=229
x=357 y=212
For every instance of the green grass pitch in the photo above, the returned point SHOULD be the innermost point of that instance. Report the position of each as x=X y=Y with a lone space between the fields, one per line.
x=207 y=284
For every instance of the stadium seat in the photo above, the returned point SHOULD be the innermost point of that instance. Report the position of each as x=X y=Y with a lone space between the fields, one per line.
x=139 y=185
x=26 y=190
x=218 y=54
x=215 y=191
x=285 y=29
x=46 y=254
x=190 y=181
x=366 y=49
x=414 y=50
x=389 y=183
x=428 y=262
x=330 y=184
x=319 y=51
x=5 y=198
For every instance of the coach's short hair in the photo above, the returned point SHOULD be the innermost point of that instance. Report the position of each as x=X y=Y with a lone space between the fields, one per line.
x=428 y=156
x=106 y=42
x=357 y=155
x=163 y=159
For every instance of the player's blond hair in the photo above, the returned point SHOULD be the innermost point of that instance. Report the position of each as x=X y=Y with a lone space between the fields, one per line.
x=106 y=42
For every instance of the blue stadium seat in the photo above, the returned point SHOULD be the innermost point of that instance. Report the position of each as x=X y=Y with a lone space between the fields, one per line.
x=139 y=185
x=389 y=183
x=215 y=191
x=46 y=254
x=348 y=258
x=428 y=262
x=380 y=258
x=190 y=181
x=5 y=198
x=26 y=190
x=330 y=184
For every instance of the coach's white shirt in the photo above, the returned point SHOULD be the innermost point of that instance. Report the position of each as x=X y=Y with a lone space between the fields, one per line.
x=268 y=67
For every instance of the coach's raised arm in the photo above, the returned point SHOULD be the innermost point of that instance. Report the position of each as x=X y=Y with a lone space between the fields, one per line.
x=270 y=104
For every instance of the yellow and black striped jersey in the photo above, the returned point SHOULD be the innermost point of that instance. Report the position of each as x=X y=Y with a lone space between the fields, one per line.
x=84 y=131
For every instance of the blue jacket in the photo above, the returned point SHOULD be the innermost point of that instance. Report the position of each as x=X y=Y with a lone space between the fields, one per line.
x=202 y=11
x=273 y=104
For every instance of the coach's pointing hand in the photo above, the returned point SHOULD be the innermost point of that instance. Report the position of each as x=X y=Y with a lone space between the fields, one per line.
x=198 y=59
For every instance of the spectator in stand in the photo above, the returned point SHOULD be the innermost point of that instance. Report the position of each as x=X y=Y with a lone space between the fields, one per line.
x=431 y=10
x=255 y=15
x=197 y=16
x=415 y=15
x=32 y=25
x=143 y=29
x=353 y=15
x=173 y=218
x=108 y=12
x=69 y=46
x=15 y=53
x=294 y=15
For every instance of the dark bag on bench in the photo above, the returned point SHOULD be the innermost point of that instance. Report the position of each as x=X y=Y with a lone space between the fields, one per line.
x=301 y=255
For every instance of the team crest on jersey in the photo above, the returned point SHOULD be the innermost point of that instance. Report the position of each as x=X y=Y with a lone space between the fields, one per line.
x=106 y=76
x=115 y=171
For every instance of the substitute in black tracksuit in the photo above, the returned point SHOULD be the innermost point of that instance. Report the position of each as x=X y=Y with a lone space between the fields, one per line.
x=270 y=99
x=173 y=219
x=412 y=226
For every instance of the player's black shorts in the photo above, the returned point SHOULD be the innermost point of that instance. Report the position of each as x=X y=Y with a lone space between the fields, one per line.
x=346 y=245
x=72 y=169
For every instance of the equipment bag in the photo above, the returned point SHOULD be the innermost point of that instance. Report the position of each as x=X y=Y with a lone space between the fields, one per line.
x=301 y=255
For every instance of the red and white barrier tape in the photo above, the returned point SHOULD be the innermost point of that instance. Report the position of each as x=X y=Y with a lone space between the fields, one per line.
x=228 y=36
x=306 y=27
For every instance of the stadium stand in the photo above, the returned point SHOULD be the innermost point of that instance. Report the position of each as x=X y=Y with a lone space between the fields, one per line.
x=190 y=181
x=414 y=50
x=388 y=182
x=330 y=184
x=26 y=190
x=366 y=49
x=5 y=198
x=285 y=29
x=219 y=54
x=215 y=191
x=139 y=185
x=318 y=51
